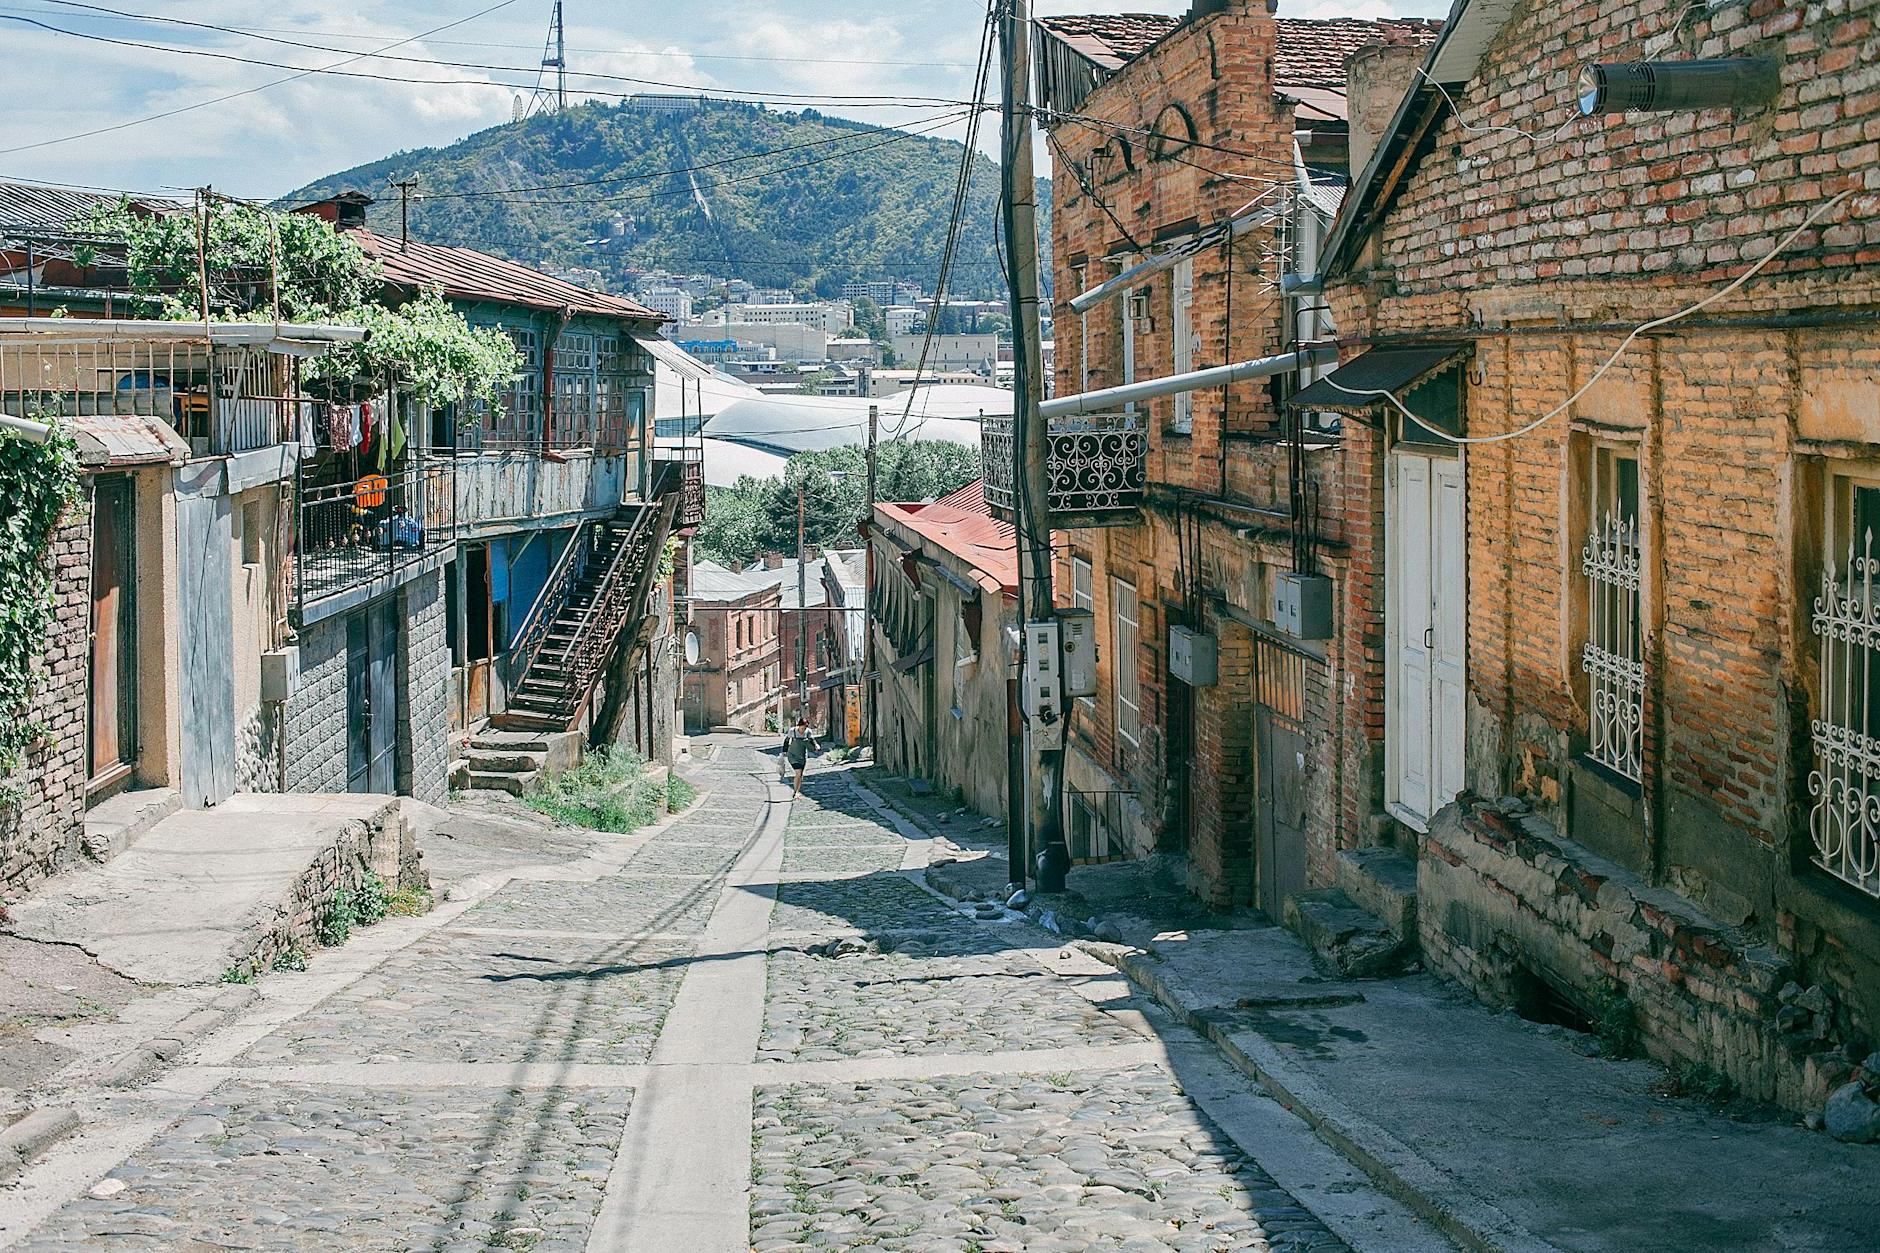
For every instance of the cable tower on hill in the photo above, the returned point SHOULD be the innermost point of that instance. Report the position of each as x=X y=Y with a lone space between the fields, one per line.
x=546 y=99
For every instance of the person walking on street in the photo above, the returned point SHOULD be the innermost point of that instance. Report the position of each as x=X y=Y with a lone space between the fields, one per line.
x=797 y=743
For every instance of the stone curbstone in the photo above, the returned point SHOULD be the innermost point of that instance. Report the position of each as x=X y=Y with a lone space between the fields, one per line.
x=1398 y=1169
x=31 y=1136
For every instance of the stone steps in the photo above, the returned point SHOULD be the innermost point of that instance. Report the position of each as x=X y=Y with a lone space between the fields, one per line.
x=113 y=825
x=1352 y=942
x=1383 y=882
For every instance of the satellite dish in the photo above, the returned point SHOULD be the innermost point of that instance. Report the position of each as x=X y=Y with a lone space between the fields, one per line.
x=691 y=648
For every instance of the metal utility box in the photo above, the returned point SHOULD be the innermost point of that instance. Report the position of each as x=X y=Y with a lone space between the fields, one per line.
x=1043 y=695
x=1079 y=629
x=1193 y=657
x=280 y=674
x=1302 y=605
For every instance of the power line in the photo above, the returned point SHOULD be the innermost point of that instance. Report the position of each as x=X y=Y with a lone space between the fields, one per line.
x=247 y=91
x=740 y=95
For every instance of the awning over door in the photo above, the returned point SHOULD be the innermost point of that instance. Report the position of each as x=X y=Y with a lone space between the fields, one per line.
x=1368 y=378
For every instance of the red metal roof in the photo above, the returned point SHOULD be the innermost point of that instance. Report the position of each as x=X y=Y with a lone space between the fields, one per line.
x=471 y=275
x=961 y=524
x=1309 y=52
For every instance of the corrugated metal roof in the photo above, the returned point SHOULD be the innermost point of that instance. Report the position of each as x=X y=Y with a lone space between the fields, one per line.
x=713 y=582
x=1378 y=370
x=468 y=274
x=125 y=439
x=960 y=524
x=30 y=204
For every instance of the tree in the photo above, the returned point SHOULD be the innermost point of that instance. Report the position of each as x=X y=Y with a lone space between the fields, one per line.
x=869 y=319
x=758 y=516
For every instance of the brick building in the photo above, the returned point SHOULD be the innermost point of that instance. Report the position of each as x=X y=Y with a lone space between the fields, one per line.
x=1196 y=163
x=734 y=657
x=1642 y=619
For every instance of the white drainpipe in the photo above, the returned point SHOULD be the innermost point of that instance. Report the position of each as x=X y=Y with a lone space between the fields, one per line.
x=1109 y=399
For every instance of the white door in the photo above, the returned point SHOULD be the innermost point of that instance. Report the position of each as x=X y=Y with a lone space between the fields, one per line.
x=1427 y=619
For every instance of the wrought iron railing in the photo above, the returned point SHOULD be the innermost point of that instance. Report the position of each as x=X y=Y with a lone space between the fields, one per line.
x=563 y=578
x=1095 y=463
x=354 y=532
x=1844 y=819
x=690 y=466
x=1611 y=655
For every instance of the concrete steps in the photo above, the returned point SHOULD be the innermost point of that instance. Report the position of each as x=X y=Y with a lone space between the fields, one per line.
x=1382 y=882
x=113 y=825
x=1351 y=942
x=514 y=761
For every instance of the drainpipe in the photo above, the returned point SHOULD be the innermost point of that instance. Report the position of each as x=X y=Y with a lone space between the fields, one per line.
x=25 y=428
x=1110 y=398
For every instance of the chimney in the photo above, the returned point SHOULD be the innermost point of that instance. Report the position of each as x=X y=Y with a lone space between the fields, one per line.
x=773 y=561
x=345 y=212
x=1377 y=76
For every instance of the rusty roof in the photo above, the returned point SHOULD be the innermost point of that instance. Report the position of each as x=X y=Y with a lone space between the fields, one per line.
x=468 y=274
x=1309 y=51
x=40 y=205
x=961 y=524
x=125 y=440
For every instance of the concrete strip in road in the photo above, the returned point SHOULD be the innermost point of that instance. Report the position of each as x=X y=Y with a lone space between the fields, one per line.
x=681 y=1178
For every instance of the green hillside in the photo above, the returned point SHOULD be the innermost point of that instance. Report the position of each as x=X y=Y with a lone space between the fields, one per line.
x=856 y=204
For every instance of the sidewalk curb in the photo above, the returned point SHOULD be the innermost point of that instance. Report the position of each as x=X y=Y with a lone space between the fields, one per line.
x=1395 y=1167
x=31 y=1136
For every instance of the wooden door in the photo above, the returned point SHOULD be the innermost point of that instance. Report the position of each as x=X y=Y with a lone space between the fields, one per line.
x=358 y=704
x=1427 y=560
x=206 y=634
x=1279 y=775
x=372 y=698
x=111 y=725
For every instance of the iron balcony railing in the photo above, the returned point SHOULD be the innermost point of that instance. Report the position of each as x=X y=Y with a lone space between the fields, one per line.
x=360 y=530
x=690 y=467
x=1096 y=464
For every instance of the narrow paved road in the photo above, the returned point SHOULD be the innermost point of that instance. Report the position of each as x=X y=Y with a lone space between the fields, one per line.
x=753 y=1028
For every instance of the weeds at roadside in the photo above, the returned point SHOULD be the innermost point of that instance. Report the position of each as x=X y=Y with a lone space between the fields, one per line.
x=408 y=902
x=679 y=793
x=238 y=974
x=609 y=791
x=293 y=957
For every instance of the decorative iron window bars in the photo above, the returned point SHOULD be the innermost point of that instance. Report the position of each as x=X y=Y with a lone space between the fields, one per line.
x=1611 y=655
x=1844 y=819
x=1096 y=463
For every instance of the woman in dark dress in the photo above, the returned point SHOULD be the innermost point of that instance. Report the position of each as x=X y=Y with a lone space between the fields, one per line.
x=797 y=744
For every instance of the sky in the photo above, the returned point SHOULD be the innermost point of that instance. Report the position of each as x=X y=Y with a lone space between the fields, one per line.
x=262 y=143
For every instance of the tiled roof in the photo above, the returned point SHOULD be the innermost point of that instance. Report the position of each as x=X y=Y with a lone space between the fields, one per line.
x=960 y=524
x=471 y=275
x=29 y=204
x=1111 y=40
x=1310 y=51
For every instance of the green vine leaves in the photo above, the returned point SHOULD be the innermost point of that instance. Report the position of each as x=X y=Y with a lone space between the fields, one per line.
x=39 y=482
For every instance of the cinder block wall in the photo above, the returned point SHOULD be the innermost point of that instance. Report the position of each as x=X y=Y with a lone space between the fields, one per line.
x=424 y=690
x=316 y=716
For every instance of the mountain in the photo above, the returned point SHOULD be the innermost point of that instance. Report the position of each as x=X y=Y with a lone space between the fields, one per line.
x=778 y=199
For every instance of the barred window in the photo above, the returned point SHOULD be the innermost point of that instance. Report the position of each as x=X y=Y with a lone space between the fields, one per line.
x=1083 y=596
x=1844 y=786
x=1611 y=656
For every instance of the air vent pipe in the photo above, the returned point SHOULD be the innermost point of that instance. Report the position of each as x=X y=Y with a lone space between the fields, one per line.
x=1666 y=86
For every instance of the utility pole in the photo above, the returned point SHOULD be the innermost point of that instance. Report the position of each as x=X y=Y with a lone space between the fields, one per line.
x=868 y=592
x=802 y=602
x=561 y=62
x=1037 y=602
x=404 y=186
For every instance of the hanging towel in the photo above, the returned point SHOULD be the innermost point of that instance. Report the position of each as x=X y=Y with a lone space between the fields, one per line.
x=365 y=428
x=309 y=441
x=394 y=431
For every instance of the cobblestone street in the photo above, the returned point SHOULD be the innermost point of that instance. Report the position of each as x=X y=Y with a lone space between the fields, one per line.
x=752 y=1027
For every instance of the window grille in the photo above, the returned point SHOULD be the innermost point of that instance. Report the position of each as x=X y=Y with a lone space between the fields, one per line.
x=1127 y=664
x=1844 y=786
x=1611 y=655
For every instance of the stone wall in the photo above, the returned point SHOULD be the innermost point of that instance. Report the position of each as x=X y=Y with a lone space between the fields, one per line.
x=258 y=750
x=424 y=690
x=41 y=828
x=382 y=845
x=1503 y=899
x=316 y=716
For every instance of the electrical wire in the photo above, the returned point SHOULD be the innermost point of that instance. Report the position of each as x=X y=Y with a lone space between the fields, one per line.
x=741 y=95
x=1820 y=211
x=247 y=91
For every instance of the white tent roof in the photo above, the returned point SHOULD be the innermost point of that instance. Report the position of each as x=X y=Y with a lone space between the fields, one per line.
x=726 y=463
x=791 y=424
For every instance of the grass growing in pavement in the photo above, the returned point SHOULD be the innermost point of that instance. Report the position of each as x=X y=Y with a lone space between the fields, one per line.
x=608 y=791
x=679 y=793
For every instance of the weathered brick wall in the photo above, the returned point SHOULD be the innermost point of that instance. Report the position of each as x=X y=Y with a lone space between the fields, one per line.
x=41 y=829
x=316 y=716
x=1544 y=254
x=424 y=690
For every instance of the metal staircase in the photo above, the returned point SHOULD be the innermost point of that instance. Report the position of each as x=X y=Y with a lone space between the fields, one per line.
x=597 y=590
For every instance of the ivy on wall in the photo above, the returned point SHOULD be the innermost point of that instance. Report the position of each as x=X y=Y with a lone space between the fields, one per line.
x=39 y=482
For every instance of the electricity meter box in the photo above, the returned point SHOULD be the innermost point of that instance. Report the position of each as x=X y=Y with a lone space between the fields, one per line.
x=1043 y=695
x=1302 y=605
x=1079 y=633
x=1193 y=657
